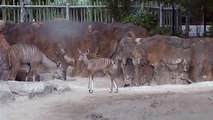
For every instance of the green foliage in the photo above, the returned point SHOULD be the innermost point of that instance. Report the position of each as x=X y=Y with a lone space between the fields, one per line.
x=160 y=31
x=144 y=18
x=117 y=8
x=211 y=30
x=165 y=31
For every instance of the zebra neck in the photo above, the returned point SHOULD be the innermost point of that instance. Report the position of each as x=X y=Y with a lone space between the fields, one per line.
x=48 y=63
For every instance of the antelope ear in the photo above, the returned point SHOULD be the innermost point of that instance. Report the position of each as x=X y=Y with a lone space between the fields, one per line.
x=87 y=51
x=79 y=51
x=58 y=64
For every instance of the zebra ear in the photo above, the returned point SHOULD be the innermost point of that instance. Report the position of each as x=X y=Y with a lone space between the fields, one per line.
x=79 y=51
x=87 y=51
x=58 y=64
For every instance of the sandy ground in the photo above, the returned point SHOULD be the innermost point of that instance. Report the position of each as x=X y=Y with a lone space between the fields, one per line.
x=166 y=102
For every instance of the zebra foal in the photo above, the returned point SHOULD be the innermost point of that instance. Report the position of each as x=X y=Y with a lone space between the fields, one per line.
x=26 y=54
x=105 y=65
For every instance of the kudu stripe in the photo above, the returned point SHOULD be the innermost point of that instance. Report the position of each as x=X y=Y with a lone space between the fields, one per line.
x=105 y=65
x=100 y=63
x=25 y=54
x=24 y=51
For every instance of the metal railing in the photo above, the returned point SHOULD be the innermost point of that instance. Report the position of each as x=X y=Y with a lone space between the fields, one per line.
x=85 y=12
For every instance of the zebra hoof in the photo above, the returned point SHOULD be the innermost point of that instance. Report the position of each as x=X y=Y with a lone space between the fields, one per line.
x=90 y=91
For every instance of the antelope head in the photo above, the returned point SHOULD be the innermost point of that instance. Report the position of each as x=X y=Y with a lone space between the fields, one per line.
x=83 y=56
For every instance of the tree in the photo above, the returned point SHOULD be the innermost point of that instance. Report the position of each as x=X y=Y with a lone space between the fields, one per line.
x=117 y=8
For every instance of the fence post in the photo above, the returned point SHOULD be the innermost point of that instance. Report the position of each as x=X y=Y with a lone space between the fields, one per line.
x=173 y=19
x=67 y=12
x=22 y=14
x=3 y=11
x=177 y=17
x=161 y=16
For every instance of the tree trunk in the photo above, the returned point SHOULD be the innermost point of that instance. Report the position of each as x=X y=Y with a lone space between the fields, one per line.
x=187 y=26
x=204 y=17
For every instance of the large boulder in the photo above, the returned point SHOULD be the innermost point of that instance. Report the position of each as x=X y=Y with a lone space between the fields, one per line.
x=61 y=44
x=19 y=91
x=59 y=85
x=29 y=88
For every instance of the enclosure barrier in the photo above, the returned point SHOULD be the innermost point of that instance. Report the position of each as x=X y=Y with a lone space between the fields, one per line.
x=83 y=12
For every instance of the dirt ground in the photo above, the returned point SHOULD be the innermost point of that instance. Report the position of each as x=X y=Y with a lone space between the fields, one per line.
x=166 y=102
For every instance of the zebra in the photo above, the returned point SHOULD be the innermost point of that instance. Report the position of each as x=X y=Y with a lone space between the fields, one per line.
x=105 y=65
x=28 y=54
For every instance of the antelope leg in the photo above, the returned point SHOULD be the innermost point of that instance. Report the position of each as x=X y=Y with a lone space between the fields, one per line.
x=116 y=87
x=89 y=83
x=92 y=83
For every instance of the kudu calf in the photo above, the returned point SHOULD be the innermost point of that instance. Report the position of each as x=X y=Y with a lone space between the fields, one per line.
x=105 y=65
x=25 y=54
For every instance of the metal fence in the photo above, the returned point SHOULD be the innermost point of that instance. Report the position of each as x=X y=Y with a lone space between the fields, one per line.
x=81 y=12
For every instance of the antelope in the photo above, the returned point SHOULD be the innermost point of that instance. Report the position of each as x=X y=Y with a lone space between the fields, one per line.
x=25 y=54
x=105 y=65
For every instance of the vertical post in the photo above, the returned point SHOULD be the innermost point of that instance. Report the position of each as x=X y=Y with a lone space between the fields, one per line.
x=3 y=2
x=4 y=11
x=204 y=18
x=14 y=13
x=22 y=16
x=177 y=17
x=173 y=20
x=161 y=16
x=39 y=12
x=67 y=12
x=187 y=25
x=180 y=19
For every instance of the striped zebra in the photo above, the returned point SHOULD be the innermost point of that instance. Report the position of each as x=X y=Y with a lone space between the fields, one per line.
x=105 y=65
x=26 y=54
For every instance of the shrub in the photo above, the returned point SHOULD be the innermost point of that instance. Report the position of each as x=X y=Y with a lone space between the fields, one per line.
x=160 y=31
x=211 y=30
x=165 y=31
x=143 y=18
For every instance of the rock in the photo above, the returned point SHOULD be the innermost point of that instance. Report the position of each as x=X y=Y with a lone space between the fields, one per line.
x=45 y=76
x=5 y=93
x=10 y=90
x=26 y=88
x=94 y=116
x=29 y=88
x=59 y=85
